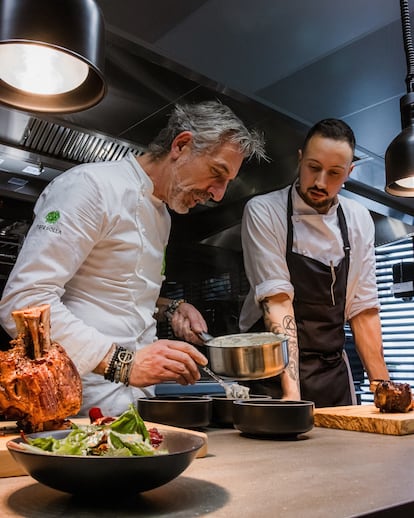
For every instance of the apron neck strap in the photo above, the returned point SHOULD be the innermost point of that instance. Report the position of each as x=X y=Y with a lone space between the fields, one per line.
x=341 y=220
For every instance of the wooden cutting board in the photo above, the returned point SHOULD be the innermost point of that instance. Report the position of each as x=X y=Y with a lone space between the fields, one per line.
x=8 y=431
x=364 y=418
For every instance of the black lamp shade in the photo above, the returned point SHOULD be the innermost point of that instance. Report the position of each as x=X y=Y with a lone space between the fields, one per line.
x=399 y=163
x=75 y=27
x=399 y=157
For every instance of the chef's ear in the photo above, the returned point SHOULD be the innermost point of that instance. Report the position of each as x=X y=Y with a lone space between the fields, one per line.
x=299 y=155
x=182 y=140
x=351 y=167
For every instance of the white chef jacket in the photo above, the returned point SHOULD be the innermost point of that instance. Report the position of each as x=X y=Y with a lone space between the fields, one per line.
x=95 y=253
x=264 y=230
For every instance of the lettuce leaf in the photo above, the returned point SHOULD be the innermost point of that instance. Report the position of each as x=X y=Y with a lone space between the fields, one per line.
x=130 y=422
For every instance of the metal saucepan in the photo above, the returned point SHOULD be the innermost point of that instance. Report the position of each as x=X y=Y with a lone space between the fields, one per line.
x=247 y=356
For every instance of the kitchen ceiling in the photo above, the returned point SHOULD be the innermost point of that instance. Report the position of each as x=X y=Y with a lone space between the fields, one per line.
x=281 y=65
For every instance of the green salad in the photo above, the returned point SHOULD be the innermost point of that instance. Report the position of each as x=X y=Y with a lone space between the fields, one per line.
x=125 y=436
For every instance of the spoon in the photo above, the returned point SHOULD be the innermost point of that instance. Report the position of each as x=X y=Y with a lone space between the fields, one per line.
x=232 y=390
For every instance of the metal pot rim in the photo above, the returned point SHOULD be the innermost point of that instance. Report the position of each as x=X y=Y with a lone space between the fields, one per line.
x=247 y=340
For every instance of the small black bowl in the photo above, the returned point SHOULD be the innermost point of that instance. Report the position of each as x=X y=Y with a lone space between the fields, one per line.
x=181 y=411
x=273 y=417
x=222 y=408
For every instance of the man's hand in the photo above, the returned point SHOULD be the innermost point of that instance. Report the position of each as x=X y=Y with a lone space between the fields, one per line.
x=166 y=360
x=187 y=322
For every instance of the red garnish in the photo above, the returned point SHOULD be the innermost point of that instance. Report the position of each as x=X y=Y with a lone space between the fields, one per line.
x=156 y=437
x=95 y=414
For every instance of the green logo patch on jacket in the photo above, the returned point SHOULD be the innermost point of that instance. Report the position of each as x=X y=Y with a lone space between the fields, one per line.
x=51 y=222
x=52 y=216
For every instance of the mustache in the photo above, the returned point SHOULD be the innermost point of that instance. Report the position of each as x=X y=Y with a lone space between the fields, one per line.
x=202 y=195
x=316 y=189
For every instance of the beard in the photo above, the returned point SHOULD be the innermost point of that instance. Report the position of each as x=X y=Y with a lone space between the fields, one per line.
x=322 y=205
x=184 y=199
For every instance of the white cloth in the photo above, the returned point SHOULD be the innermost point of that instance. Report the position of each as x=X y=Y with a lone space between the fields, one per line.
x=315 y=235
x=95 y=253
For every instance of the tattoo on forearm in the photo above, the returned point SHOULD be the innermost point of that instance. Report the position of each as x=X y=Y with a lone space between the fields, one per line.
x=289 y=325
x=293 y=365
x=288 y=328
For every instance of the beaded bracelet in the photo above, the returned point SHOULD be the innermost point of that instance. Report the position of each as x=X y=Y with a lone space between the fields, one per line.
x=172 y=307
x=110 y=369
x=120 y=365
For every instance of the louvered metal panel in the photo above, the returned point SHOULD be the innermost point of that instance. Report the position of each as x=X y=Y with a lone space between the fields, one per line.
x=74 y=145
x=397 y=317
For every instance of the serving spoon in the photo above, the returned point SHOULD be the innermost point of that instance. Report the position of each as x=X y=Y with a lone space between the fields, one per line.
x=232 y=390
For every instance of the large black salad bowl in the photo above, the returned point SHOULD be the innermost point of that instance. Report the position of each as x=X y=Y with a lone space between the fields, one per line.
x=109 y=476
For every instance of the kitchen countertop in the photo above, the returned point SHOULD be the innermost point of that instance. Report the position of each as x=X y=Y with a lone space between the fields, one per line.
x=322 y=474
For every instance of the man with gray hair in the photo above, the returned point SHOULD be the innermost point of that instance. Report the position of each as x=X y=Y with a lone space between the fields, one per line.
x=95 y=253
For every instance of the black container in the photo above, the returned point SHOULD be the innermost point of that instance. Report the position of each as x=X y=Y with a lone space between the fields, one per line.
x=181 y=411
x=222 y=409
x=273 y=417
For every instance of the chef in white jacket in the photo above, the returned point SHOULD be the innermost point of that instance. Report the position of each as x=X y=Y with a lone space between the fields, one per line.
x=95 y=253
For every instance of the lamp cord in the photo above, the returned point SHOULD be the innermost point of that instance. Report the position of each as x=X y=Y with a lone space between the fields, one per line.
x=408 y=44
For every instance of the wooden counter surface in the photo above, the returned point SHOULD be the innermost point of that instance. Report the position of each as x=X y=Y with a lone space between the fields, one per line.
x=322 y=474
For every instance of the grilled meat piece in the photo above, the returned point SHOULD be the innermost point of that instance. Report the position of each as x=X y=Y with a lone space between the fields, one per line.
x=39 y=384
x=393 y=397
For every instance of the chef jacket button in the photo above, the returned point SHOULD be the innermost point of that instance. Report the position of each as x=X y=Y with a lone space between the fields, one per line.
x=297 y=219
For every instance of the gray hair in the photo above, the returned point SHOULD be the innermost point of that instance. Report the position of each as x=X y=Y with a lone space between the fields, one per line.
x=212 y=124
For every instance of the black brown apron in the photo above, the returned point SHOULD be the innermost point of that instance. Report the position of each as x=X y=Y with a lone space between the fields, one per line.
x=319 y=306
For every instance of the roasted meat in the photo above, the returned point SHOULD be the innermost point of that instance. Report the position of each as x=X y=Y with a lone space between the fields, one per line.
x=393 y=397
x=39 y=384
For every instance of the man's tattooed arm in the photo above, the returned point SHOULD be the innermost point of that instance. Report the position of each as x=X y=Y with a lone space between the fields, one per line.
x=278 y=318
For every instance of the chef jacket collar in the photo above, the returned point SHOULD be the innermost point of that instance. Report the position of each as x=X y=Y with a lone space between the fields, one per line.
x=147 y=186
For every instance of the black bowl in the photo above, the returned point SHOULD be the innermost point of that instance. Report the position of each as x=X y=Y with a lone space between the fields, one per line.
x=181 y=411
x=222 y=408
x=108 y=476
x=273 y=417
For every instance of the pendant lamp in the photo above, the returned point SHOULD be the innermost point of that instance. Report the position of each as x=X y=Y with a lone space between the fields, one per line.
x=399 y=157
x=51 y=55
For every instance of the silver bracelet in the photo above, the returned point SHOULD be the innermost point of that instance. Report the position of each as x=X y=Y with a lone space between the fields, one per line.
x=120 y=365
x=172 y=307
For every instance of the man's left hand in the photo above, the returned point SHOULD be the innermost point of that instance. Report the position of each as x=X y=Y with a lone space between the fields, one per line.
x=187 y=322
